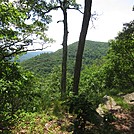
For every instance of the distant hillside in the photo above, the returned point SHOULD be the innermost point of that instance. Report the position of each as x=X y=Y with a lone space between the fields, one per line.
x=29 y=55
x=43 y=63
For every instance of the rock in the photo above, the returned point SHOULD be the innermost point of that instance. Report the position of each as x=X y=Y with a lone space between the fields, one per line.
x=108 y=104
x=129 y=98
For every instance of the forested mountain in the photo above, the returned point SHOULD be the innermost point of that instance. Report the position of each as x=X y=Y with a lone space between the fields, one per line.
x=43 y=63
x=29 y=55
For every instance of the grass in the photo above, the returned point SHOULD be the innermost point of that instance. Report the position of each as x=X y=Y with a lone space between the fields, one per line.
x=32 y=122
x=41 y=123
x=54 y=121
x=121 y=102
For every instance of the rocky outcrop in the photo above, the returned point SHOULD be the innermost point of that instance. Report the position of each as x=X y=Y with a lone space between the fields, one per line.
x=108 y=104
x=129 y=98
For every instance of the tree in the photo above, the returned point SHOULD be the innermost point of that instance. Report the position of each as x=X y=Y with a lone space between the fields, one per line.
x=15 y=33
x=23 y=33
x=64 y=58
x=17 y=91
x=81 y=44
x=64 y=5
x=120 y=60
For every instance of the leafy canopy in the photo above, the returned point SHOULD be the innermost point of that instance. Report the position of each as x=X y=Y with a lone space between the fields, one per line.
x=20 y=26
x=120 y=70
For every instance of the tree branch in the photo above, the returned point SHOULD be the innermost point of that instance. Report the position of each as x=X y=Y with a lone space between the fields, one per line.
x=51 y=9
x=76 y=9
x=19 y=51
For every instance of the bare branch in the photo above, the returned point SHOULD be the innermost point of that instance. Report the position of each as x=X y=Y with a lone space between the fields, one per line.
x=60 y=2
x=36 y=49
x=94 y=16
x=76 y=9
x=60 y=21
x=19 y=51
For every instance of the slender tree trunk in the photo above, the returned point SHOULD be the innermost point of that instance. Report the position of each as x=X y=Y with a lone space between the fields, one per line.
x=81 y=44
x=64 y=58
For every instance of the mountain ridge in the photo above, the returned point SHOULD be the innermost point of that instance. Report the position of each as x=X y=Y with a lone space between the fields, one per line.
x=43 y=63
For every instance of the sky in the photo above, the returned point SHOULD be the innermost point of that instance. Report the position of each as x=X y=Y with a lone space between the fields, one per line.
x=112 y=14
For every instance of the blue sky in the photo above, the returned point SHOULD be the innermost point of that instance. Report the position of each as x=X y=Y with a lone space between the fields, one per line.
x=112 y=15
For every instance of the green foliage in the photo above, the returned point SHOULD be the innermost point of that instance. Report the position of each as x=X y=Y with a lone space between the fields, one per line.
x=22 y=94
x=51 y=90
x=85 y=112
x=120 y=101
x=17 y=92
x=54 y=4
x=44 y=63
x=32 y=122
x=16 y=34
x=114 y=73
x=119 y=67
x=92 y=78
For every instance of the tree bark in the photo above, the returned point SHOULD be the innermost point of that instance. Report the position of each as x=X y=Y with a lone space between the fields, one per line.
x=81 y=44
x=64 y=55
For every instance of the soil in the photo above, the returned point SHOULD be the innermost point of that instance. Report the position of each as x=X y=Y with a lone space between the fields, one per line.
x=124 y=122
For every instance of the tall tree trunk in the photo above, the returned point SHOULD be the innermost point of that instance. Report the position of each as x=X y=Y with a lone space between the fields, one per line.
x=81 y=44
x=64 y=58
